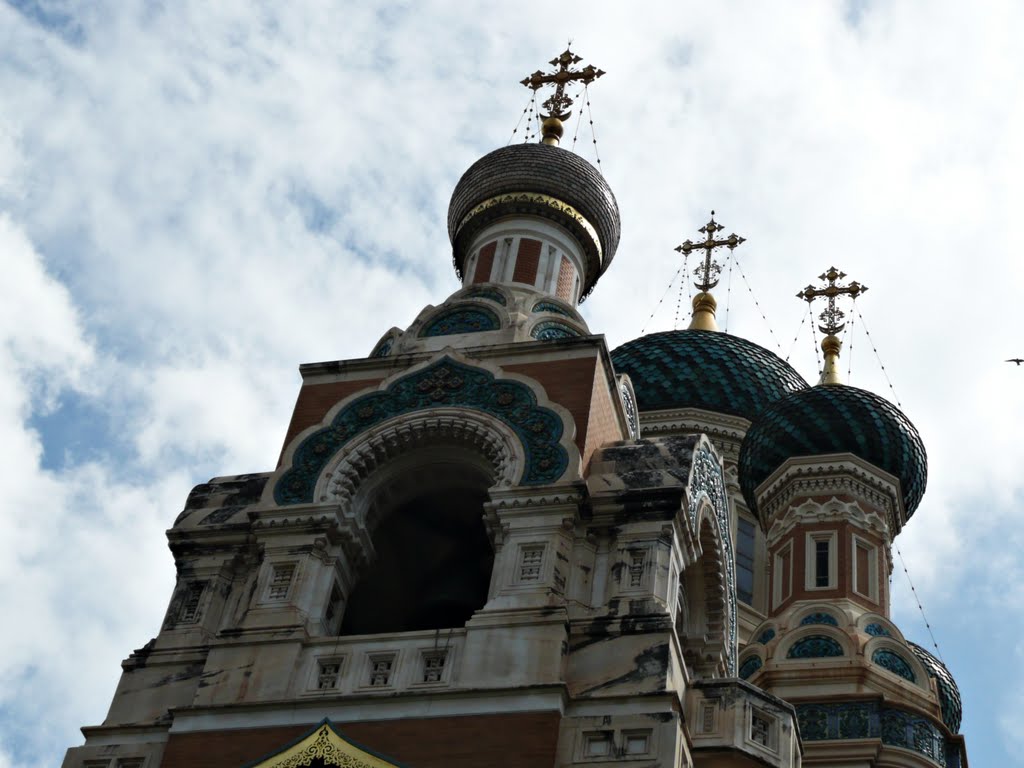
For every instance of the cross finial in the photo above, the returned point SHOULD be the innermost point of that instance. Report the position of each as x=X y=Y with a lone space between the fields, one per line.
x=832 y=317
x=557 y=105
x=708 y=272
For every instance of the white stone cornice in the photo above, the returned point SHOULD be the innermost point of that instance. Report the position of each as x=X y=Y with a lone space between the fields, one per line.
x=841 y=474
x=834 y=509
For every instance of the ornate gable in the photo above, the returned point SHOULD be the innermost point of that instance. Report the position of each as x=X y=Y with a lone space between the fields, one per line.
x=324 y=746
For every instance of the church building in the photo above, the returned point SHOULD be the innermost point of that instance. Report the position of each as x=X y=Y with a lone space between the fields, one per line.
x=496 y=542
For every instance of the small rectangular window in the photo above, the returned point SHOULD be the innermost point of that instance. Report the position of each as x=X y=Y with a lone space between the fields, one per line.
x=129 y=762
x=333 y=609
x=281 y=581
x=433 y=666
x=191 y=606
x=782 y=574
x=328 y=675
x=760 y=729
x=636 y=742
x=637 y=564
x=821 y=563
x=96 y=764
x=745 y=560
x=531 y=560
x=865 y=568
x=380 y=670
x=597 y=744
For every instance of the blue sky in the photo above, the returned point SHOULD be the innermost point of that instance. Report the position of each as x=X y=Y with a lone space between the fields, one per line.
x=197 y=197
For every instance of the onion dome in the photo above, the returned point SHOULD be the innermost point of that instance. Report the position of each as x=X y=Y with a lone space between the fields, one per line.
x=705 y=369
x=538 y=180
x=832 y=418
x=949 y=694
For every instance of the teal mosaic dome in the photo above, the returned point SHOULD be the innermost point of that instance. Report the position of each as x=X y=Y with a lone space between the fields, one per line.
x=705 y=369
x=834 y=418
x=949 y=694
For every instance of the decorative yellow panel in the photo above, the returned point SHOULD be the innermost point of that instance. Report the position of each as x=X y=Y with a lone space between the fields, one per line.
x=324 y=746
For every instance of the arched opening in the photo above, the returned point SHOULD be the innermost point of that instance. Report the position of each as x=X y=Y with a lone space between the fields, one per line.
x=433 y=557
x=704 y=619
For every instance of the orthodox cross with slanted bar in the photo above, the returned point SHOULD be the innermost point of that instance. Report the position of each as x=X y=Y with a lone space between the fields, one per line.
x=708 y=272
x=558 y=104
x=832 y=317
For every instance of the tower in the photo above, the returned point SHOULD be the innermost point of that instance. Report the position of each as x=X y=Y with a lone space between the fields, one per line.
x=494 y=541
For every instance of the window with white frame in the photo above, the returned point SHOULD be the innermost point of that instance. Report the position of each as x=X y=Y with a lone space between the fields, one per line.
x=328 y=674
x=864 y=564
x=782 y=574
x=531 y=562
x=332 y=613
x=760 y=729
x=598 y=744
x=433 y=666
x=129 y=762
x=821 y=567
x=192 y=605
x=281 y=576
x=745 y=540
x=382 y=667
x=636 y=743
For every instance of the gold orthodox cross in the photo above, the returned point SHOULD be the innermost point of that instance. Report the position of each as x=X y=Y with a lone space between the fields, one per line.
x=708 y=272
x=558 y=104
x=832 y=317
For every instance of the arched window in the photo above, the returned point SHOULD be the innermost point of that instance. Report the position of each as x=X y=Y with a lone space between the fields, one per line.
x=433 y=557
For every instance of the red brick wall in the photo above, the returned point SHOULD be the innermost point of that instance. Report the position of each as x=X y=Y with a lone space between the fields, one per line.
x=603 y=426
x=485 y=262
x=315 y=400
x=524 y=740
x=527 y=261
x=570 y=383
x=565 y=277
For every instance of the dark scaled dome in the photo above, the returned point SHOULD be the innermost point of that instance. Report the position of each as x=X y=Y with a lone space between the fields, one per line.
x=833 y=418
x=705 y=369
x=949 y=693
x=541 y=180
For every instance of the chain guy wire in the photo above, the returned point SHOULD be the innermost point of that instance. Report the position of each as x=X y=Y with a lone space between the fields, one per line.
x=529 y=104
x=848 y=332
x=670 y=284
x=758 y=305
x=579 y=121
x=728 y=291
x=679 y=297
x=878 y=357
x=590 y=119
x=797 y=334
x=919 y=606
x=814 y=336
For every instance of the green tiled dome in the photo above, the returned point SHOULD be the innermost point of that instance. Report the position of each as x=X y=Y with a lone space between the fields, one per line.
x=949 y=694
x=833 y=418
x=704 y=369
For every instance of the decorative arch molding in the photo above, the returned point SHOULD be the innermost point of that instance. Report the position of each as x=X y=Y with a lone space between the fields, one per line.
x=484 y=394
x=897 y=658
x=553 y=330
x=483 y=436
x=462 y=317
x=876 y=625
x=818 y=615
x=835 y=509
x=814 y=641
x=709 y=501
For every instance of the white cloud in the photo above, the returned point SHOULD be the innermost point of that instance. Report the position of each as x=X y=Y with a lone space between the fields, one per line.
x=201 y=196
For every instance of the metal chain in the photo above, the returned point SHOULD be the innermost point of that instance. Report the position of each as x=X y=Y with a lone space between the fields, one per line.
x=878 y=357
x=679 y=298
x=758 y=305
x=529 y=103
x=848 y=332
x=590 y=118
x=814 y=336
x=797 y=335
x=670 y=284
x=919 y=606
x=728 y=292
x=579 y=121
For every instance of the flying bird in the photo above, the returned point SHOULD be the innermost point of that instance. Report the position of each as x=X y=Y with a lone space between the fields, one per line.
x=1017 y=360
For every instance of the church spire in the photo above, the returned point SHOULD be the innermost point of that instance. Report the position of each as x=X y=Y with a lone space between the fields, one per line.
x=831 y=318
x=704 y=304
x=557 y=105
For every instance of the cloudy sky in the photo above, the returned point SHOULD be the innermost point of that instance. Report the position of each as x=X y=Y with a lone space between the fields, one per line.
x=196 y=197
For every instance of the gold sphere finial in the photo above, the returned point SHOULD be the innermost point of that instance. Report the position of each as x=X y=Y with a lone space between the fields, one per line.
x=704 y=306
x=551 y=131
